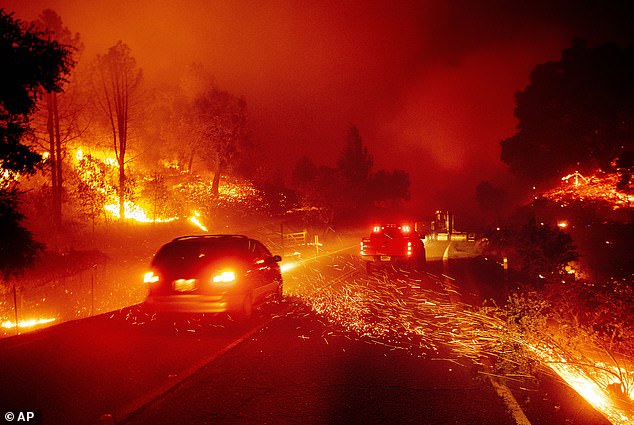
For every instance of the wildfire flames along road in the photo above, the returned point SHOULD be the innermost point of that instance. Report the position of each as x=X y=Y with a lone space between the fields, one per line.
x=289 y=365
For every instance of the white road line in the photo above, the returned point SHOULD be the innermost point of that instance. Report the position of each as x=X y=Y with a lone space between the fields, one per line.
x=511 y=404
x=123 y=414
x=445 y=255
x=502 y=390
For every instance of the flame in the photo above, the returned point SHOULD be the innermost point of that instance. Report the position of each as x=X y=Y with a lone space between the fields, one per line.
x=27 y=323
x=7 y=177
x=232 y=193
x=196 y=221
x=591 y=382
x=133 y=212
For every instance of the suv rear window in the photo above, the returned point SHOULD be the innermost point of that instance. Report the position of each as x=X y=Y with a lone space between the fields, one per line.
x=189 y=253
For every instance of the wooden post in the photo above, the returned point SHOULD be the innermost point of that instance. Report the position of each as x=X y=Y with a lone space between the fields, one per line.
x=282 y=236
x=92 y=292
x=15 y=308
x=505 y=265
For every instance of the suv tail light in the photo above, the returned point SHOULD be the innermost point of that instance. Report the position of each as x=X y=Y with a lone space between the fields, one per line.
x=225 y=277
x=150 y=277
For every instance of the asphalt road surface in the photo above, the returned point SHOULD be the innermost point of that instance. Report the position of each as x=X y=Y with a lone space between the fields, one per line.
x=294 y=372
x=288 y=365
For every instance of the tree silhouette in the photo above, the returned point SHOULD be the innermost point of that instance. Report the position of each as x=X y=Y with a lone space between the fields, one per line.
x=388 y=187
x=304 y=172
x=490 y=198
x=578 y=111
x=345 y=191
x=355 y=162
x=50 y=23
x=31 y=64
x=533 y=248
x=223 y=129
x=18 y=249
x=118 y=84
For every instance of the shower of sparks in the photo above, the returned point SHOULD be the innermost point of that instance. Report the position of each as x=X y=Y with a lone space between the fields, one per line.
x=398 y=310
x=408 y=311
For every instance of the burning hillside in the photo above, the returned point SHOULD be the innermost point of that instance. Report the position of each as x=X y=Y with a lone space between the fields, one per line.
x=600 y=188
x=162 y=196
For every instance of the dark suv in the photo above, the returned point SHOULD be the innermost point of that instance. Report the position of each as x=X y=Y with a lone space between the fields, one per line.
x=213 y=274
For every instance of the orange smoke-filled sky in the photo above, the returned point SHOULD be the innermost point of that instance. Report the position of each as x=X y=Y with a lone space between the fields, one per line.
x=429 y=84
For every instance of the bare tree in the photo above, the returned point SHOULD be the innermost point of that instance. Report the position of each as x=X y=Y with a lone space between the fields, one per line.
x=59 y=127
x=118 y=80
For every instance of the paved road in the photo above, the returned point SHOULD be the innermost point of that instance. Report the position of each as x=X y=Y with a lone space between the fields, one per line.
x=108 y=365
x=287 y=366
x=295 y=372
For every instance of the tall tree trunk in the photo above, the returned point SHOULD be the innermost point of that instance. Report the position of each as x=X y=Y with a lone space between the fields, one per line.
x=191 y=160
x=58 y=163
x=121 y=192
x=216 y=182
x=51 y=128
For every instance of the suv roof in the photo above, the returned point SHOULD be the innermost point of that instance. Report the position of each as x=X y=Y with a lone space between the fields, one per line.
x=203 y=237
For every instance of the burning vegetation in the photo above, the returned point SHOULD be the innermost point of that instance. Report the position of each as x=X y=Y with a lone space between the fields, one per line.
x=600 y=188
x=580 y=330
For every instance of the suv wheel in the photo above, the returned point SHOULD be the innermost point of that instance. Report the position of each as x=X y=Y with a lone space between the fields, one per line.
x=279 y=293
x=369 y=267
x=246 y=311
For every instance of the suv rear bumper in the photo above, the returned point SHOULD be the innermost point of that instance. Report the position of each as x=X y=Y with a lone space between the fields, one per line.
x=194 y=303
x=387 y=258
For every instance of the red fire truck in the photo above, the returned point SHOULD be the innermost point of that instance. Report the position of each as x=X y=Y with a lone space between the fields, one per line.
x=394 y=244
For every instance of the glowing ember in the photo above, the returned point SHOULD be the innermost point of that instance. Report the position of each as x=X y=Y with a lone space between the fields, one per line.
x=287 y=266
x=196 y=221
